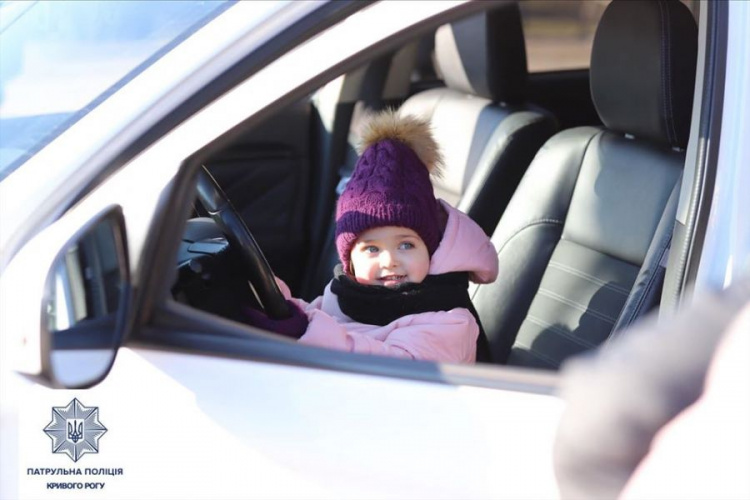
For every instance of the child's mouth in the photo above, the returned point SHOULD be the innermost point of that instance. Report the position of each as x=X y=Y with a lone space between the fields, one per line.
x=393 y=279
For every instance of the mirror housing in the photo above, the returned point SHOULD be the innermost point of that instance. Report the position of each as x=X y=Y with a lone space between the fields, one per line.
x=86 y=295
x=74 y=278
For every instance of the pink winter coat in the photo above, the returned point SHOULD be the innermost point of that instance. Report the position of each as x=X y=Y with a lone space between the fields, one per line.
x=446 y=336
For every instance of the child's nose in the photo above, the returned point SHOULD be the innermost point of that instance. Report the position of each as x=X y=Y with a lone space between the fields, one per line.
x=387 y=259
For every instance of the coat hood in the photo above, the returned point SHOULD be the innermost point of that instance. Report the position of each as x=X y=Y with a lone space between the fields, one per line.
x=464 y=247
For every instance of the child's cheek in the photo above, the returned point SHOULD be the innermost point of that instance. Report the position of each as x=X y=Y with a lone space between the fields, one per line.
x=362 y=270
x=420 y=267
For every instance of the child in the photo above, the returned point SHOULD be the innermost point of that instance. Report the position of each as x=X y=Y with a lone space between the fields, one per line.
x=402 y=286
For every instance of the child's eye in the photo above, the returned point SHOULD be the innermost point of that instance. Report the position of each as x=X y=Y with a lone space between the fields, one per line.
x=371 y=249
x=406 y=246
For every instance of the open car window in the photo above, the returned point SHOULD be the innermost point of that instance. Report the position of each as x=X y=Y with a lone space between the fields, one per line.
x=269 y=142
x=275 y=161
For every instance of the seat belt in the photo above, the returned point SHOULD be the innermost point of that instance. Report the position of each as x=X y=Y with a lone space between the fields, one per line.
x=646 y=290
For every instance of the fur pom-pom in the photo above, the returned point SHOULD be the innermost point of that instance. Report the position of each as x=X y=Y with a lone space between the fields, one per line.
x=412 y=131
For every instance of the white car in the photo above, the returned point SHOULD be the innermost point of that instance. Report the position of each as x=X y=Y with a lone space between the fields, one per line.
x=126 y=368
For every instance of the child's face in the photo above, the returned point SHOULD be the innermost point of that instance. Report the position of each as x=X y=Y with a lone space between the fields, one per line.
x=389 y=256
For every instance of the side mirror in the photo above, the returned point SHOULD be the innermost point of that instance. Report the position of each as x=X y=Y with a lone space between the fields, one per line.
x=85 y=303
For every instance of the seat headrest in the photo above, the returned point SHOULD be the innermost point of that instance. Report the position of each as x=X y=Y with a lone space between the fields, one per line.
x=643 y=69
x=386 y=77
x=485 y=55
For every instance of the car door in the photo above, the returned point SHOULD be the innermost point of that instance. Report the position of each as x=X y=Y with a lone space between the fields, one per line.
x=191 y=409
x=195 y=406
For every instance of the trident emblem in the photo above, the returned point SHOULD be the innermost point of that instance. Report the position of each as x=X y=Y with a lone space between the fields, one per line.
x=75 y=430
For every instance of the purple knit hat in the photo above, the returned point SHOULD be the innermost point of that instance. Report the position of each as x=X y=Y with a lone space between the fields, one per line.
x=391 y=184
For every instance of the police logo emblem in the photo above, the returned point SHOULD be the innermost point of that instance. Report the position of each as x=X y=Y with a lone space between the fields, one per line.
x=75 y=429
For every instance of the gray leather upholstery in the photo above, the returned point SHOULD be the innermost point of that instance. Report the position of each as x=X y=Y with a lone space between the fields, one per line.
x=577 y=235
x=645 y=55
x=485 y=55
x=646 y=291
x=487 y=132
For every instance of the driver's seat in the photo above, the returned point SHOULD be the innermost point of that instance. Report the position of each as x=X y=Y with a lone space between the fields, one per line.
x=581 y=241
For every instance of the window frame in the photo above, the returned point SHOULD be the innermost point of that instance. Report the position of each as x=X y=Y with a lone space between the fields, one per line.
x=165 y=325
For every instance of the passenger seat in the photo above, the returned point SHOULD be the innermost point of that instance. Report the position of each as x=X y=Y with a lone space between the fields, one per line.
x=581 y=244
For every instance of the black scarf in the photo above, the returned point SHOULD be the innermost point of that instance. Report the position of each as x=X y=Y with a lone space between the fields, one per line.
x=379 y=305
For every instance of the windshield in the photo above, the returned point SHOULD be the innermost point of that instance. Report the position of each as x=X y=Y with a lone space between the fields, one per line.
x=60 y=59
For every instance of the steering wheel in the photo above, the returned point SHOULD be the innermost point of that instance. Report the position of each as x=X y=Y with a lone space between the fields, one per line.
x=239 y=236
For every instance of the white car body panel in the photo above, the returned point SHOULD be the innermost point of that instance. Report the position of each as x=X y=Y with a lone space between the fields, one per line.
x=192 y=426
x=188 y=426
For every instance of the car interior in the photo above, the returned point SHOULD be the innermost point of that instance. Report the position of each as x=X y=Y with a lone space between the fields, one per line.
x=573 y=173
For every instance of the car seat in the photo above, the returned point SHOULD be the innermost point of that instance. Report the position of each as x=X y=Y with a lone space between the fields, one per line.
x=582 y=241
x=486 y=130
